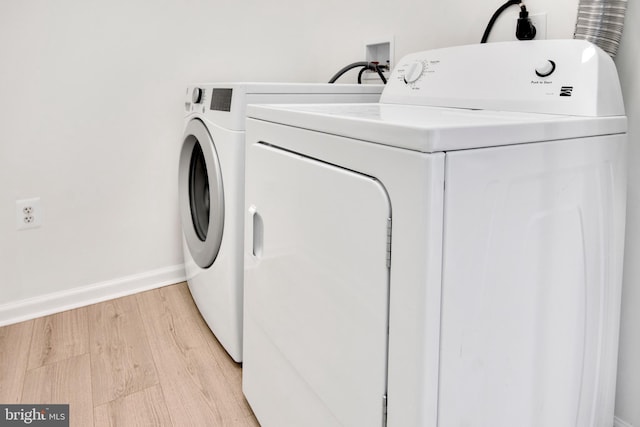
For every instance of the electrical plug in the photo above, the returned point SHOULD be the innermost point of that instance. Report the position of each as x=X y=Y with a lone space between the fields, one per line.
x=524 y=28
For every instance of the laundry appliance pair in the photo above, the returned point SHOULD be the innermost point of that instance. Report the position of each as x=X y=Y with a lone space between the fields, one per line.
x=211 y=189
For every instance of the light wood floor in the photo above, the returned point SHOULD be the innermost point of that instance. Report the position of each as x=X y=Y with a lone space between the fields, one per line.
x=143 y=360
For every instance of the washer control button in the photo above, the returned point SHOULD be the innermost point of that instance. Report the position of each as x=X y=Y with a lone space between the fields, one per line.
x=546 y=68
x=196 y=95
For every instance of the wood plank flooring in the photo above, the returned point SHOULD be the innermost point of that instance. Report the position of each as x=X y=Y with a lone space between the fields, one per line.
x=143 y=360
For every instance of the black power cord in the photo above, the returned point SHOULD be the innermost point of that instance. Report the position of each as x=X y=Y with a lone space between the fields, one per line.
x=362 y=70
x=371 y=66
x=524 y=29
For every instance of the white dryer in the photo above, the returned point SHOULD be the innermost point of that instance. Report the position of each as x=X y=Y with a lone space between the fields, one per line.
x=211 y=189
x=450 y=256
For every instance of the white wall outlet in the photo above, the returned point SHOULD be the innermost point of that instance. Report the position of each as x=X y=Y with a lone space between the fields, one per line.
x=28 y=213
x=380 y=51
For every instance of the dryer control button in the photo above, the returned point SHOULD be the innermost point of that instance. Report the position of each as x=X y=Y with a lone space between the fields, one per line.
x=546 y=68
x=413 y=72
x=196 y=95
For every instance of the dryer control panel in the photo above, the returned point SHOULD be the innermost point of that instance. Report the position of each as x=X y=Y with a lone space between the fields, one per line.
x=571 y=77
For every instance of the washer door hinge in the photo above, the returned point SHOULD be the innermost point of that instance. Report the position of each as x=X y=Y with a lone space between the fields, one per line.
x=388 y=242
x=384 y=410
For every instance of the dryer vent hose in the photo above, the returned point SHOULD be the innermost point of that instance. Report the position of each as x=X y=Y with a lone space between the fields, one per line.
x=601 y=22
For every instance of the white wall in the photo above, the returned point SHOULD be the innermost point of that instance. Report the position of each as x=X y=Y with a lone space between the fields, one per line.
x=91 y=100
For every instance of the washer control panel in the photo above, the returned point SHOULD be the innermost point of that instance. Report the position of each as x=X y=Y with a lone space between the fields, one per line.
x=194 y=100
x=572 y=77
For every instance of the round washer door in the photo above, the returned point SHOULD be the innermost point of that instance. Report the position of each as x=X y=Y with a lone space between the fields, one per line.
x=201 y=196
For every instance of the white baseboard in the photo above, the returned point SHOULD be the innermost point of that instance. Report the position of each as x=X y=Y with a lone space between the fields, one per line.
x=86 y=295
x=617 y=422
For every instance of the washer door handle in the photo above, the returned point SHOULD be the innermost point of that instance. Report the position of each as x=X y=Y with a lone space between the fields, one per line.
x=258 y=232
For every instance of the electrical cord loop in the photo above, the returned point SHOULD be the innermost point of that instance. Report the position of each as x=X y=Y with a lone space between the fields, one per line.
x=371 y=66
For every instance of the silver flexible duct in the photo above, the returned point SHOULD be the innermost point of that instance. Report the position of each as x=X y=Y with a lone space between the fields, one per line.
x=601 y=22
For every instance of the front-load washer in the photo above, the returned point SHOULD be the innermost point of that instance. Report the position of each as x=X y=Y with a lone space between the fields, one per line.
x=450 y=256
x=211 y=189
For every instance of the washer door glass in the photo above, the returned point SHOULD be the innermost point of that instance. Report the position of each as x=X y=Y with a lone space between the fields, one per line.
x=199 y=200
x=201 y=194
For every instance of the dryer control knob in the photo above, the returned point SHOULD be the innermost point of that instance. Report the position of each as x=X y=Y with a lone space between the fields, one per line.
x=196 y=95
x=413 y=72
x=546 y=68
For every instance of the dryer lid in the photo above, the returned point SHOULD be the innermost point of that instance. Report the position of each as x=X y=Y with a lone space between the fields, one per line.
x=433 y=129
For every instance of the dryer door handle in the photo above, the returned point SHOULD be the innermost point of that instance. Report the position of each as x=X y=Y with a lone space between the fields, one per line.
x=258 y=232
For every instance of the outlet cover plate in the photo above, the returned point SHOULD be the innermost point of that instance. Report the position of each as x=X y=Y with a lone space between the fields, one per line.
x=28 y=213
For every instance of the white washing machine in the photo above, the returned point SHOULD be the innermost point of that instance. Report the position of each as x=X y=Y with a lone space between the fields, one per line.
x=450 y=256
x=211 y=189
